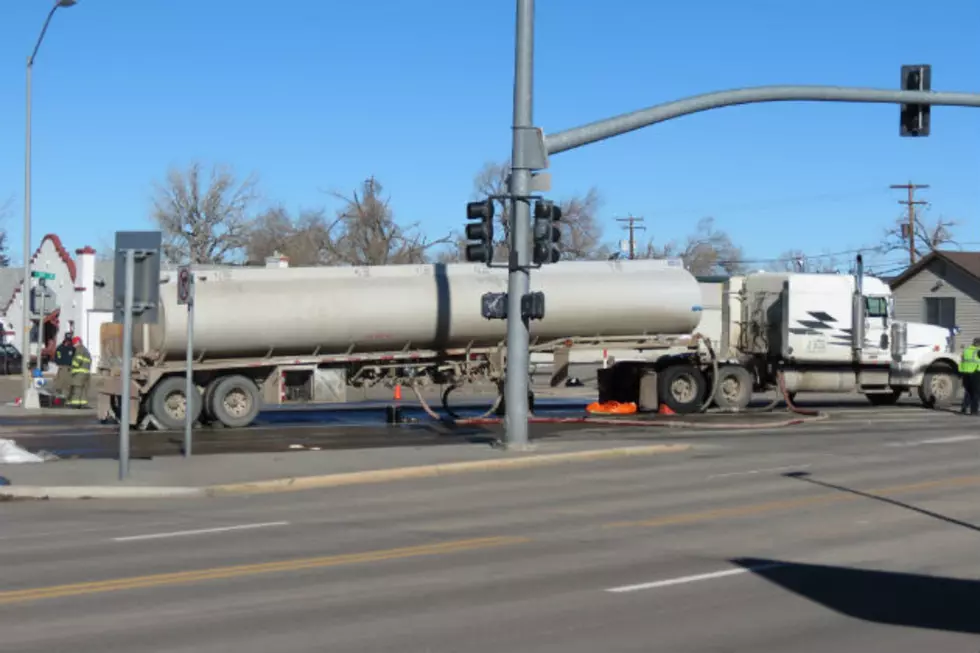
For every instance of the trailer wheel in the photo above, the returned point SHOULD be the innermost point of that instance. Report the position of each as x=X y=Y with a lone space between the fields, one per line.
x=168 y=403
x=682 y=388
x=207 y=405
x=734 y=387
x=938 y=386
x=236 y=401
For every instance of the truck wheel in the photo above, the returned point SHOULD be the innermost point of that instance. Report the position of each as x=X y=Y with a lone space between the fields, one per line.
x=236 y=401
x=938 y=387
x=168 y=403
x=207 y=405
x=734 y=387
x=884 y=398
x=682 y=388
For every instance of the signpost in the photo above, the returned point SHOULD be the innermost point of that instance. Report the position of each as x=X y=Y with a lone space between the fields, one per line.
x=185 y=295
x=136 y=300
x=42 y=291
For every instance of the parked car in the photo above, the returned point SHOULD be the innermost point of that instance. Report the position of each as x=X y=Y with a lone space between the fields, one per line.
x=10 y=359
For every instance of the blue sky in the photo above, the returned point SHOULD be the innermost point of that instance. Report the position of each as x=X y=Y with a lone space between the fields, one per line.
x=316 y=95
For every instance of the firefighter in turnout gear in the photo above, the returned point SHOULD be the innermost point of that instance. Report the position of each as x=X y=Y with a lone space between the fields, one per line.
x=970 y=371
x=62 y=358
x=81 y=371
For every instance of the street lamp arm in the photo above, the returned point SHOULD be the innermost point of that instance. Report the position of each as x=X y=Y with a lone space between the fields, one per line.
x=627 y=122
x=47 y=21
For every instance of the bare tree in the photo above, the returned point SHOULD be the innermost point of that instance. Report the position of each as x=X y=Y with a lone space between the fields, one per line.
x=795 y=260
x=6 y=210
x=365 y=232
x=204 y=225
x=707 y=251
x=929 y=234
x=581 y=233
x=303 y=240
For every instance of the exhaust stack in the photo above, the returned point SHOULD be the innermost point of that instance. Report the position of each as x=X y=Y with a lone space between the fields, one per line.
x=857 y=311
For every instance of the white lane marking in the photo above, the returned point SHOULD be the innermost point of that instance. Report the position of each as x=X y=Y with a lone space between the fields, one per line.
x=953 y=439
x=202 y=531
x=688 y=579
x=760 y=471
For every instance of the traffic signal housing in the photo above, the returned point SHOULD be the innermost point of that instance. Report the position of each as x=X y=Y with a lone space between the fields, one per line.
x=914 y=119
x=547 y=234
x=479 y=232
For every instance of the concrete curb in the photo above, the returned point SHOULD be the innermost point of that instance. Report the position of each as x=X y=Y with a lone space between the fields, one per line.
x=97 y=492
x=295 y=484
x=429 y=471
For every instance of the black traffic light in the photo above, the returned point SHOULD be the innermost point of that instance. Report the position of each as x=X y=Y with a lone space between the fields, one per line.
x=547 y=234
x=532 y=306
x=915 y=117
x=479 y=232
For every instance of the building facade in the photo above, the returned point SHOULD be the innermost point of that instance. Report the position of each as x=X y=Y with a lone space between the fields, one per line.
x=942 y=288
x=74 y=301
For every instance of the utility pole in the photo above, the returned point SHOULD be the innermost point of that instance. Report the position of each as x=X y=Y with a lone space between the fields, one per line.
x=911 y=202
x=632 y=229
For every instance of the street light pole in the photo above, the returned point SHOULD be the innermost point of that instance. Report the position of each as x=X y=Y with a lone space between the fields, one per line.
x=518 y=281
x=29 y=393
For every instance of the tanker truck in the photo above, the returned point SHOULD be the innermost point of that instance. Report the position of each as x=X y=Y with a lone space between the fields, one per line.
x=265 y=337
x=801 y=333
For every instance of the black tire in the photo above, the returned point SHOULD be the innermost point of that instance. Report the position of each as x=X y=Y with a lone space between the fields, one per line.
x=735 y=385
x=165 y=404
x=502 y=406
x=884 y=398
x=236 y=401
x=938 y=389
x=207 y=405
x=682 y=388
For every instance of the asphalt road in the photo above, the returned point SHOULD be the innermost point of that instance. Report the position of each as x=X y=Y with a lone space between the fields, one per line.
x=853 y=535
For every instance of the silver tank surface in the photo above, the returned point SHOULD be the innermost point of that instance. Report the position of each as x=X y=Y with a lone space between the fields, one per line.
x=298 y=311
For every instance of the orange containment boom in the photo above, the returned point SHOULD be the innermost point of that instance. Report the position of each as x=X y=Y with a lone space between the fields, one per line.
x=611 y=408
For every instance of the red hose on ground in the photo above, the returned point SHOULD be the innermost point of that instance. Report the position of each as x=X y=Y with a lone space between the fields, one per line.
x=612 y=421
x=789 y=403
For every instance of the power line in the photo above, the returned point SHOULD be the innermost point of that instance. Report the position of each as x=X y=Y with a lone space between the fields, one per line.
x=779 y=259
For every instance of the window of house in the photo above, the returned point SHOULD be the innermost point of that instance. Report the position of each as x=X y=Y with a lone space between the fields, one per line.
x=941 y=311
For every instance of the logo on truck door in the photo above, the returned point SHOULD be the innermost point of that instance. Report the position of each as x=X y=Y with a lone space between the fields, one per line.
x=821 y=323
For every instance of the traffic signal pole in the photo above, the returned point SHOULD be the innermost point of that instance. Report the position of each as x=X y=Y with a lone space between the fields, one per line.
x=517 y=379
x=602 y=129
x=531 y=149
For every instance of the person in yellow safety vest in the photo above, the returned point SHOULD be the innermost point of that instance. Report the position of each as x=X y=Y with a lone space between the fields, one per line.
x=969 y=368
x=81 y=371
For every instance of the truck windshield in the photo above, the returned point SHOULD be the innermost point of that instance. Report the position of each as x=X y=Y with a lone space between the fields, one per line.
x=876 y=306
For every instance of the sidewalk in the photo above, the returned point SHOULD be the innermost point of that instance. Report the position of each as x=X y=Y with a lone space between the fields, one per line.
x=226 y=474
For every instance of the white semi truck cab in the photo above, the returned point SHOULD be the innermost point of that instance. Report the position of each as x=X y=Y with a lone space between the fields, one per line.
x=826 y=333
